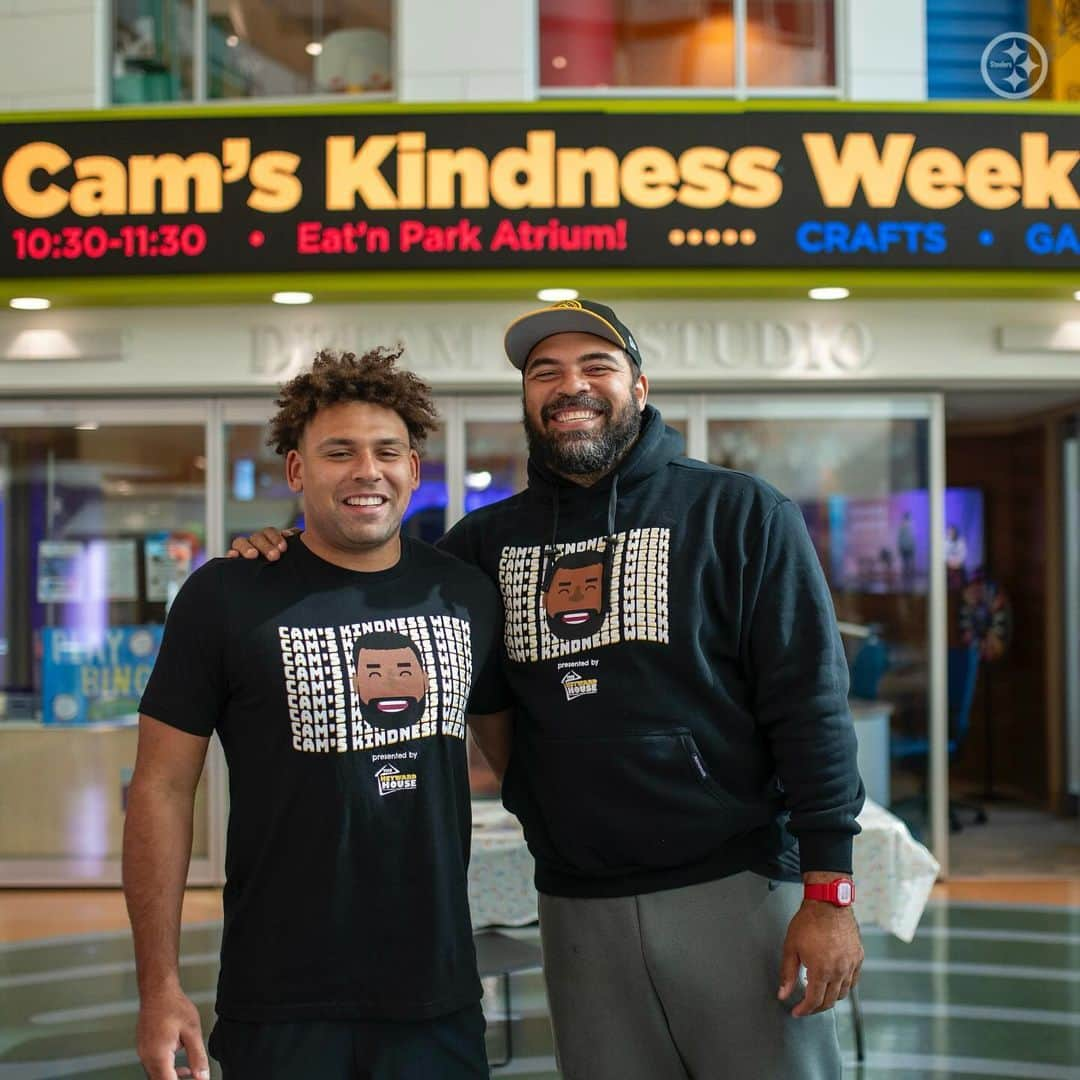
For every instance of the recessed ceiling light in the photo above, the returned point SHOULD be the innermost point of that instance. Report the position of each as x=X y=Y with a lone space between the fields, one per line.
x=553 y=296
x=292 y=298
x=90 y=425
x=313 y=48
x=29 y=303
x=232 y=41
x=1076 y=295
x=829 y=293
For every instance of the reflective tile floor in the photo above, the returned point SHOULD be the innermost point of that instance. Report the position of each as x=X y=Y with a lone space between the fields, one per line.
x=985 y=990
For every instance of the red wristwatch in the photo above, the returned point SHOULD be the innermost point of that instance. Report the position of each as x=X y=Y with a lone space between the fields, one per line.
x=840 y=892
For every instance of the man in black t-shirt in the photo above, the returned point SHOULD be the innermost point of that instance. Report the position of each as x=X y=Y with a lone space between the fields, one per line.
x=684 y=760
x=339 y=689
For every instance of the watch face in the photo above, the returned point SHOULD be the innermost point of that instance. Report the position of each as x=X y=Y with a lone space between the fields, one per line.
x=843 y=892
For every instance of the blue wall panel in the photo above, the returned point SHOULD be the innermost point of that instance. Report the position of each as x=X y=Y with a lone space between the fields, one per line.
x=957 y=31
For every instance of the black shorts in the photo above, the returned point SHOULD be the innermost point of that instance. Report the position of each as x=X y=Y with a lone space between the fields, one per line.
x=448 y=1047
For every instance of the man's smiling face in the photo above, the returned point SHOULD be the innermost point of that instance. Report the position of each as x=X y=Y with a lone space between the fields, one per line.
x=357 y=473
x=582 y=401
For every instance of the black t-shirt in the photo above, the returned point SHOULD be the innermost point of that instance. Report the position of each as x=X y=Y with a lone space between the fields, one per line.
x=349 y=823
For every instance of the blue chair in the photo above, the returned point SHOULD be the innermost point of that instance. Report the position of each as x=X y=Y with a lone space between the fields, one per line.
x=869 y=664
x=963 y=674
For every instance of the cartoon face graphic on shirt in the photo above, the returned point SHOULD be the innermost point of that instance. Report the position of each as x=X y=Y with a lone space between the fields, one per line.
x=576 y=597
x=390 y=680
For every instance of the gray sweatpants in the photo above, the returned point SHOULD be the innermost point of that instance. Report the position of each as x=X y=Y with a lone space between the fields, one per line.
x=680 y=984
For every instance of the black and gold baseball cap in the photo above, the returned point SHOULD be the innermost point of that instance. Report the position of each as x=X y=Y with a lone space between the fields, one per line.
x=567 y=317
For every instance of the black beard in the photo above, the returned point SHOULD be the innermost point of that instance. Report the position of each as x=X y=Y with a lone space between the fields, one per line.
x=369 y=710
x=572 y=632
x=582 y=453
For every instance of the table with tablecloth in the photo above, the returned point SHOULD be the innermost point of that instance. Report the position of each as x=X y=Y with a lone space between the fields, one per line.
x=501 y=891
x=893 y=872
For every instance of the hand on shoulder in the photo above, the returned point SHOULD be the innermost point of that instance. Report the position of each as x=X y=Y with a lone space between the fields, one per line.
x=268 y=542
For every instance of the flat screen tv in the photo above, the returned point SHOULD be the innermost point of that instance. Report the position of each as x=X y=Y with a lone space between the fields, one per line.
x=883 y=545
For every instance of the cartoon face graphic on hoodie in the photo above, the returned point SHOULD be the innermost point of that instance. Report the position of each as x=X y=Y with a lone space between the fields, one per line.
x=390 y=680
x=575 y=597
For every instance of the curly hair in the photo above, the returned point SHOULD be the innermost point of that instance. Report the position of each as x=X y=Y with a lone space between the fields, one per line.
x=341 y=377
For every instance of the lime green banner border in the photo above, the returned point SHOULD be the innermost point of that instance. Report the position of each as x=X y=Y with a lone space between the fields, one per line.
x=187 y=111
x=358 y=287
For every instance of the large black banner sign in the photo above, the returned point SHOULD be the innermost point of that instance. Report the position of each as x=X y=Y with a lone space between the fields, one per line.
x=528 y=189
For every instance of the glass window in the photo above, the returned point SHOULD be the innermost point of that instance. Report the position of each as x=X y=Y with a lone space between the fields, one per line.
x=790 y=43
x=99 y=527
x=495 y=461
x=862 y=484
x=685 y=43
x=426 y=516
x=260 y=49
x=153 y=44
x=253 y=49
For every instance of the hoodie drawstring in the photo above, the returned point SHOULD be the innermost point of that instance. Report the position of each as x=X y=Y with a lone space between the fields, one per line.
x=551 y=550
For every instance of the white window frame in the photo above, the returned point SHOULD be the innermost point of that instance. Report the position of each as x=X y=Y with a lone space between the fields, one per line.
x=200 y=72
x=209 y=869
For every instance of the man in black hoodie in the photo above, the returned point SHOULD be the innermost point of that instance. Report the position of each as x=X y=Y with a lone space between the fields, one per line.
x=685 y=772
x=664 y=804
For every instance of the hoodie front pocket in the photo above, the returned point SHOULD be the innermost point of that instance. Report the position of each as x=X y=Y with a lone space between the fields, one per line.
x=616 y=805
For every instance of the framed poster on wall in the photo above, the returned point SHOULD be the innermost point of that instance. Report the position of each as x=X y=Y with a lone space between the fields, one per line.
x=96 y=675
x=59 y=571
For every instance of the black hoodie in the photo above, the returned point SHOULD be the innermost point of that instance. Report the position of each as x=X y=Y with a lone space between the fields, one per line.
x=680 y=679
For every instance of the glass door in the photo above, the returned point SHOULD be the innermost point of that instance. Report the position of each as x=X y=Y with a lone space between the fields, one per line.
x=860 y=470
x=103 y=514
